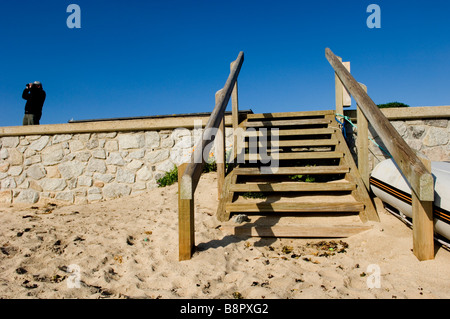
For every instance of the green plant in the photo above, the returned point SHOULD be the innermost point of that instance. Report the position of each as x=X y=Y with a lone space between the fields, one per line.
x=210 y=167
x=255 y=195
x=303 y=178
x=392 y=104
x=171 y=177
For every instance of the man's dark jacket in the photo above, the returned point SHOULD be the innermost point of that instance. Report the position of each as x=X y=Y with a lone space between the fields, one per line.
x=35 y=100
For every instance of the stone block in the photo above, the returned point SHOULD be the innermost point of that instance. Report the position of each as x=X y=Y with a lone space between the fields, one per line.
x=76 y=145
x=144 y=174
x=96 y=165
x=6 y=196
x=152 y=139
x=36 y=172
x=71 y=169
x=106 y=178
x=116 y=190
x=8 y=183
x=61 y=138
x=10 y=141
x=39 y=144
x=157 y=156
x=85 y=181
x=125 y=176
x=27 y=196
x=111 y=146
x=128 y=141
x=435 y=137
x=15 y=170
x=65 y=197
x=52 y=155
x=53 y=184
x=15 y=157
x=115 y=158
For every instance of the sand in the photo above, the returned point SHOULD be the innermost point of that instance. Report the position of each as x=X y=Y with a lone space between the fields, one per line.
x=128 y=248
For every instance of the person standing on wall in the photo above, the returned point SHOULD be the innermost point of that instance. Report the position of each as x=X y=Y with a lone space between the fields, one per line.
x=35 y=97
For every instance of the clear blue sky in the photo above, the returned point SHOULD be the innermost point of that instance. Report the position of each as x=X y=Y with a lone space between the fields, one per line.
x=138 y=58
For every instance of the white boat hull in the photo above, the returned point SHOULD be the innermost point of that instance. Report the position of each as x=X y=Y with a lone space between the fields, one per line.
x=390 y=186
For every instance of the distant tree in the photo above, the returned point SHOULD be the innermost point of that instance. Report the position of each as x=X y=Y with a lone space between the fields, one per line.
x=392 y=104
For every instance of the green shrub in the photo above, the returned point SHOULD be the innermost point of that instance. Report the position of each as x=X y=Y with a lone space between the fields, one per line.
x=255 y=195
x=303 y=178
x=169 y=178
x=392 y=104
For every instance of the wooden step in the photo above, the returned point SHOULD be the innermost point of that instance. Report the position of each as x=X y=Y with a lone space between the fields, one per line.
x=288 y=114
x=294 y=132
x=287 y=122
x=312 y=170
x=294 y=156
x=295 y=143
x=297 y=207
x=294 y=187
x=320 y=231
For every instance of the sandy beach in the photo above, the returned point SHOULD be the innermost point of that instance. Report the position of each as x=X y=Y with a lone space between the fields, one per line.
x=128 y=248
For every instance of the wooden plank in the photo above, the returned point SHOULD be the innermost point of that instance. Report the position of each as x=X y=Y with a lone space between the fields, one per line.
x=423 y=233
x=288 y=114
x=361 y=194
x=186 y=231
x=293 y=187
x=287 y=122
x=339 y=91
x=346 y=97
x=313 y=170
x=293 y=143
x=234 y=111
x=296 y=207
x=362 y=144
x=423 y=224
x=295 y=132
x=220 y=152
x=297 y=155
x=310 y=231
x=226 y=197
x=420 y=180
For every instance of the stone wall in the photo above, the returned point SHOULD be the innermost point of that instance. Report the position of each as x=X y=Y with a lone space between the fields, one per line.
x=429 y=136
x=89 y=167
x=88 y=162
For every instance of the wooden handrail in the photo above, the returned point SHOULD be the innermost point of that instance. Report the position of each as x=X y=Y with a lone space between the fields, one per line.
x=194 y=169
x=419 y=178
x=416 y=172
x=189 y=174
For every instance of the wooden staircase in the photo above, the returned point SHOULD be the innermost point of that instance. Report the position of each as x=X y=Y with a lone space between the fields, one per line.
x=303 y=184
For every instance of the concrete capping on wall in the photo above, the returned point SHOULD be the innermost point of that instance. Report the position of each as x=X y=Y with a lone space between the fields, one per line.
x=151 y=124
x=410 y=113
x=425 y=129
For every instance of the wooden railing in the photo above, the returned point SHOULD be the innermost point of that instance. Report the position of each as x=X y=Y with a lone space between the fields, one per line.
x=189 y=174
x=413 y=169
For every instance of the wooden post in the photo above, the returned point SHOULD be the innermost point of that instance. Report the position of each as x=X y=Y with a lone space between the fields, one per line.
x=220 y=151
x=346 y=97
x=339 y=91
x=343 y=98
x=423 y=224
x=234 y=114
x=185 y=221
x=362 y=143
